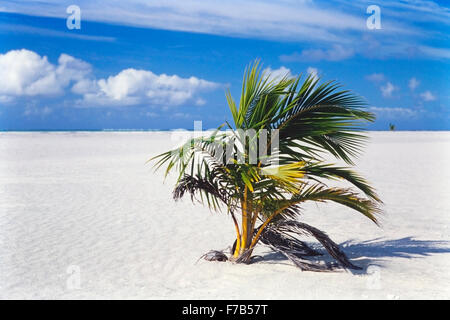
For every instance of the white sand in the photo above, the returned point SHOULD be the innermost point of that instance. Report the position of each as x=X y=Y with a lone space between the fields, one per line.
x=87 y=202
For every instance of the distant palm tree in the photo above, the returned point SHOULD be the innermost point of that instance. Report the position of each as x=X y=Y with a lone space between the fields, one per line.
x=310 y=122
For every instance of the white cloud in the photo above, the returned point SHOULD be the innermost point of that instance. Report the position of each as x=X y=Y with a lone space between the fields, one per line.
x=336 y=22
x=25 y=73
x=6 y=99
x=376 y=77
x=277 y=74
x=84 y=86
x=441 y=53
x=394 y=113
x=286 y=72
x=388 y=89
x=336 y=53
x=255 y=18
x=313 y=72
x=413 y=83
x=200 y=102
x=13 y=28
x=427 y=96
x=22 y=72
x=131 y=87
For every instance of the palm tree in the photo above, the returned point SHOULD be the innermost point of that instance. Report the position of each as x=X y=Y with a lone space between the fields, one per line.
x=303 y=124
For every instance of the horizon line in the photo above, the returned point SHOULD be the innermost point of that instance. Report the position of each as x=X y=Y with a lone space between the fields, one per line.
x=175 y=129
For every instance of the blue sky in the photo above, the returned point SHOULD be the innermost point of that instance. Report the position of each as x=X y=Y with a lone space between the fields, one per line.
x=163 y=64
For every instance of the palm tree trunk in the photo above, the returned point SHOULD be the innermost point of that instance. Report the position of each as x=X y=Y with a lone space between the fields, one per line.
x=238 y=237
x=244 y=222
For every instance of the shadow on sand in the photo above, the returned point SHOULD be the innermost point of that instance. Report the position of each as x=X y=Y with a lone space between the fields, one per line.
x=373 y=252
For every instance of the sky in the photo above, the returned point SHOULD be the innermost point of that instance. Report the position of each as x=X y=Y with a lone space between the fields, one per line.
x=165 y=64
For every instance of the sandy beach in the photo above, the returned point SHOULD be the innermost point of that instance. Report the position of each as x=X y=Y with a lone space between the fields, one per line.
x=83 y=216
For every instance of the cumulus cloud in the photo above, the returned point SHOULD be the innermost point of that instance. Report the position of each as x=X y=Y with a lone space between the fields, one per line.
x=427 y=96
x=335 y=53
x=26 y=73
x=312 y=72
x=413 y=83
x=277 y=74
x=388 y=89
x=131 y=87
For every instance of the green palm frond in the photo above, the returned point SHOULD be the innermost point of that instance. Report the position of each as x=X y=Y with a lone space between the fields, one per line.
x=314 y=122
x=320 y=193
x=328 y=171
x=325 y=119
